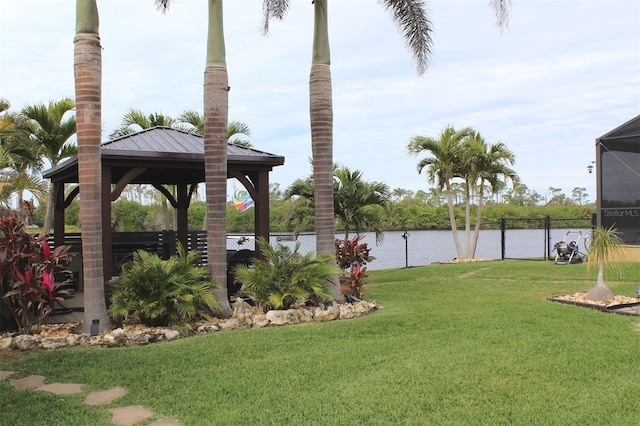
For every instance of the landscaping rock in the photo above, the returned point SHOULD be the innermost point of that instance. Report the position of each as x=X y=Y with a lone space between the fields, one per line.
x=5 y=342
x=29 y=382
x=54 y=342
x=346 y=312
x=171 y=334
x=130 y=415
x=283 y=317
x=5 y=374
x=208 y=328
x=61 y=388
x=105 y=397
x=244 y=316
x=260 y=321
x=329 y=313
x=25 y=342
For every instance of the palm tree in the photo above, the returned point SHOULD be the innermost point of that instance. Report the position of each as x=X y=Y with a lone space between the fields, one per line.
x=443 y=166
x=51 y=128
x=195 y=122
x=88 y=80
x=7 y=126
x=488 y=163
x=216 y=116
x=135 y=120
x=606 y=250
x=356 y=202
x=411 y=17
x=19 y=159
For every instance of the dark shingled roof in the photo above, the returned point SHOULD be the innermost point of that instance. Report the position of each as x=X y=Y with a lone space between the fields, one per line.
x=166 y=140
x=164 y=145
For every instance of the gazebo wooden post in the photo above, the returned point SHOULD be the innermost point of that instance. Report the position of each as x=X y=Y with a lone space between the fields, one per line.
x=58 y=214
x=182 y=224
x=107 y=256
x=262 y=208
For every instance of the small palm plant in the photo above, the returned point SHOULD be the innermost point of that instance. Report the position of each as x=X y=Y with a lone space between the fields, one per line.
x=163 y=292
x=605 y=250
x=285 y=277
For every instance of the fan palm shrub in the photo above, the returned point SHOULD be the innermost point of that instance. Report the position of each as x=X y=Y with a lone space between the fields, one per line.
x=163 y=292
x=285 y=277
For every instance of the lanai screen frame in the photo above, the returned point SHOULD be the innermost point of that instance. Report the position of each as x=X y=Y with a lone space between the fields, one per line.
x=618 y=180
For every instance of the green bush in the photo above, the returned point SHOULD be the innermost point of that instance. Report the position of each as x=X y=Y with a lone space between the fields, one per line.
x=161 y=292
x=286 y=277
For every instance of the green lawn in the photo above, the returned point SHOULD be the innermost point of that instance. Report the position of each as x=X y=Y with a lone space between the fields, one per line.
x=455 y=344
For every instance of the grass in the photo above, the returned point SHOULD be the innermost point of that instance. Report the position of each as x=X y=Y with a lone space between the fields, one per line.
x=455 y=344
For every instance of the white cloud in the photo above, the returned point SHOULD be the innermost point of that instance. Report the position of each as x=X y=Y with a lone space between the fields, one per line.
x=564 y=73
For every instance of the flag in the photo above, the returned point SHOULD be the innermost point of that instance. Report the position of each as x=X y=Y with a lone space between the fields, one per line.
x=242 y=202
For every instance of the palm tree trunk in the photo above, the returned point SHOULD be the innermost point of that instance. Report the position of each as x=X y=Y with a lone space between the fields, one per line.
x=88 y=81
x=321 y=116
x=216 y=116
x=452 y=219
x=600 y=292
x=49 y=211
x=476 y=231
x=467 y=221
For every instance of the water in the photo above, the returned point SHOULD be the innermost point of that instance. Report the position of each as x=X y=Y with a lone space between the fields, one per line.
x=423 y=247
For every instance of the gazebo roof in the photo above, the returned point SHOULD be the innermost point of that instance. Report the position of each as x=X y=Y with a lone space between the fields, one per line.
x=170 y=156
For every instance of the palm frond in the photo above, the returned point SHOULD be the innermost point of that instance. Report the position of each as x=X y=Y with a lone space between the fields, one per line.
x=411 y=18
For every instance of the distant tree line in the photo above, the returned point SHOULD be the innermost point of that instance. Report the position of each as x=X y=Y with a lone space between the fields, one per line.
x=405 y=210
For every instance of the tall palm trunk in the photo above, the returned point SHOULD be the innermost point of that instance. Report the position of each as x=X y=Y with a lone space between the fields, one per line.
x=216 y=113
x=452 y=219
x=88 y=82
x=49 y=210
x=476 y=230
x=467 y=220
x=321 y=115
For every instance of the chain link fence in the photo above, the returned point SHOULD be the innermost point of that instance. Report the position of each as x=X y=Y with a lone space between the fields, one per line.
x=522 y=238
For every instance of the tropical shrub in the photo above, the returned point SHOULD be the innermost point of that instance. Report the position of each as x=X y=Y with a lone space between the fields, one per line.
x=27 y=268
x=352 y=256
x=285 y=277
x=162 y=292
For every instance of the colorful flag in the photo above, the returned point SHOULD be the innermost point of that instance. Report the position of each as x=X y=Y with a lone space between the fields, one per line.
x=242 y=202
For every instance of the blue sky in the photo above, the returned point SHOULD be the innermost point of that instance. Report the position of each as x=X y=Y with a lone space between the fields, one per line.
x=564 y=73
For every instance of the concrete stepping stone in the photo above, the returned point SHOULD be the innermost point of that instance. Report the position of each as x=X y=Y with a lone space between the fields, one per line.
x=104 y=397
x=61 y=388
x=29 y=382
x=165 y=422
x=5 y=374
x=130 y=415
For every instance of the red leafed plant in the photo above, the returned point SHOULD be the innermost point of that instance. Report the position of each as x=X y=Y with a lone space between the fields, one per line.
x=27 y=267
x=352 y=256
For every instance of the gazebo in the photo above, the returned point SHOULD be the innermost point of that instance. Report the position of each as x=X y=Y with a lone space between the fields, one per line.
x=162 y=156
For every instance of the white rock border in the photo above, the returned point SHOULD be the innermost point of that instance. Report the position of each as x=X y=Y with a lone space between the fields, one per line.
x=244 y=317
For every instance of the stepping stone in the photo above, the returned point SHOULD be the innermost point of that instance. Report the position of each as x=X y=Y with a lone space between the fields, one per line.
x=165 y=422
x=29 y=382
x=61 y=388
x=5 y=374
x=130 y=415
x=104 y=397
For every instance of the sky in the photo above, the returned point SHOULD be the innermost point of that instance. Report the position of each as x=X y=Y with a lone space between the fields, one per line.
x=563 y=73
